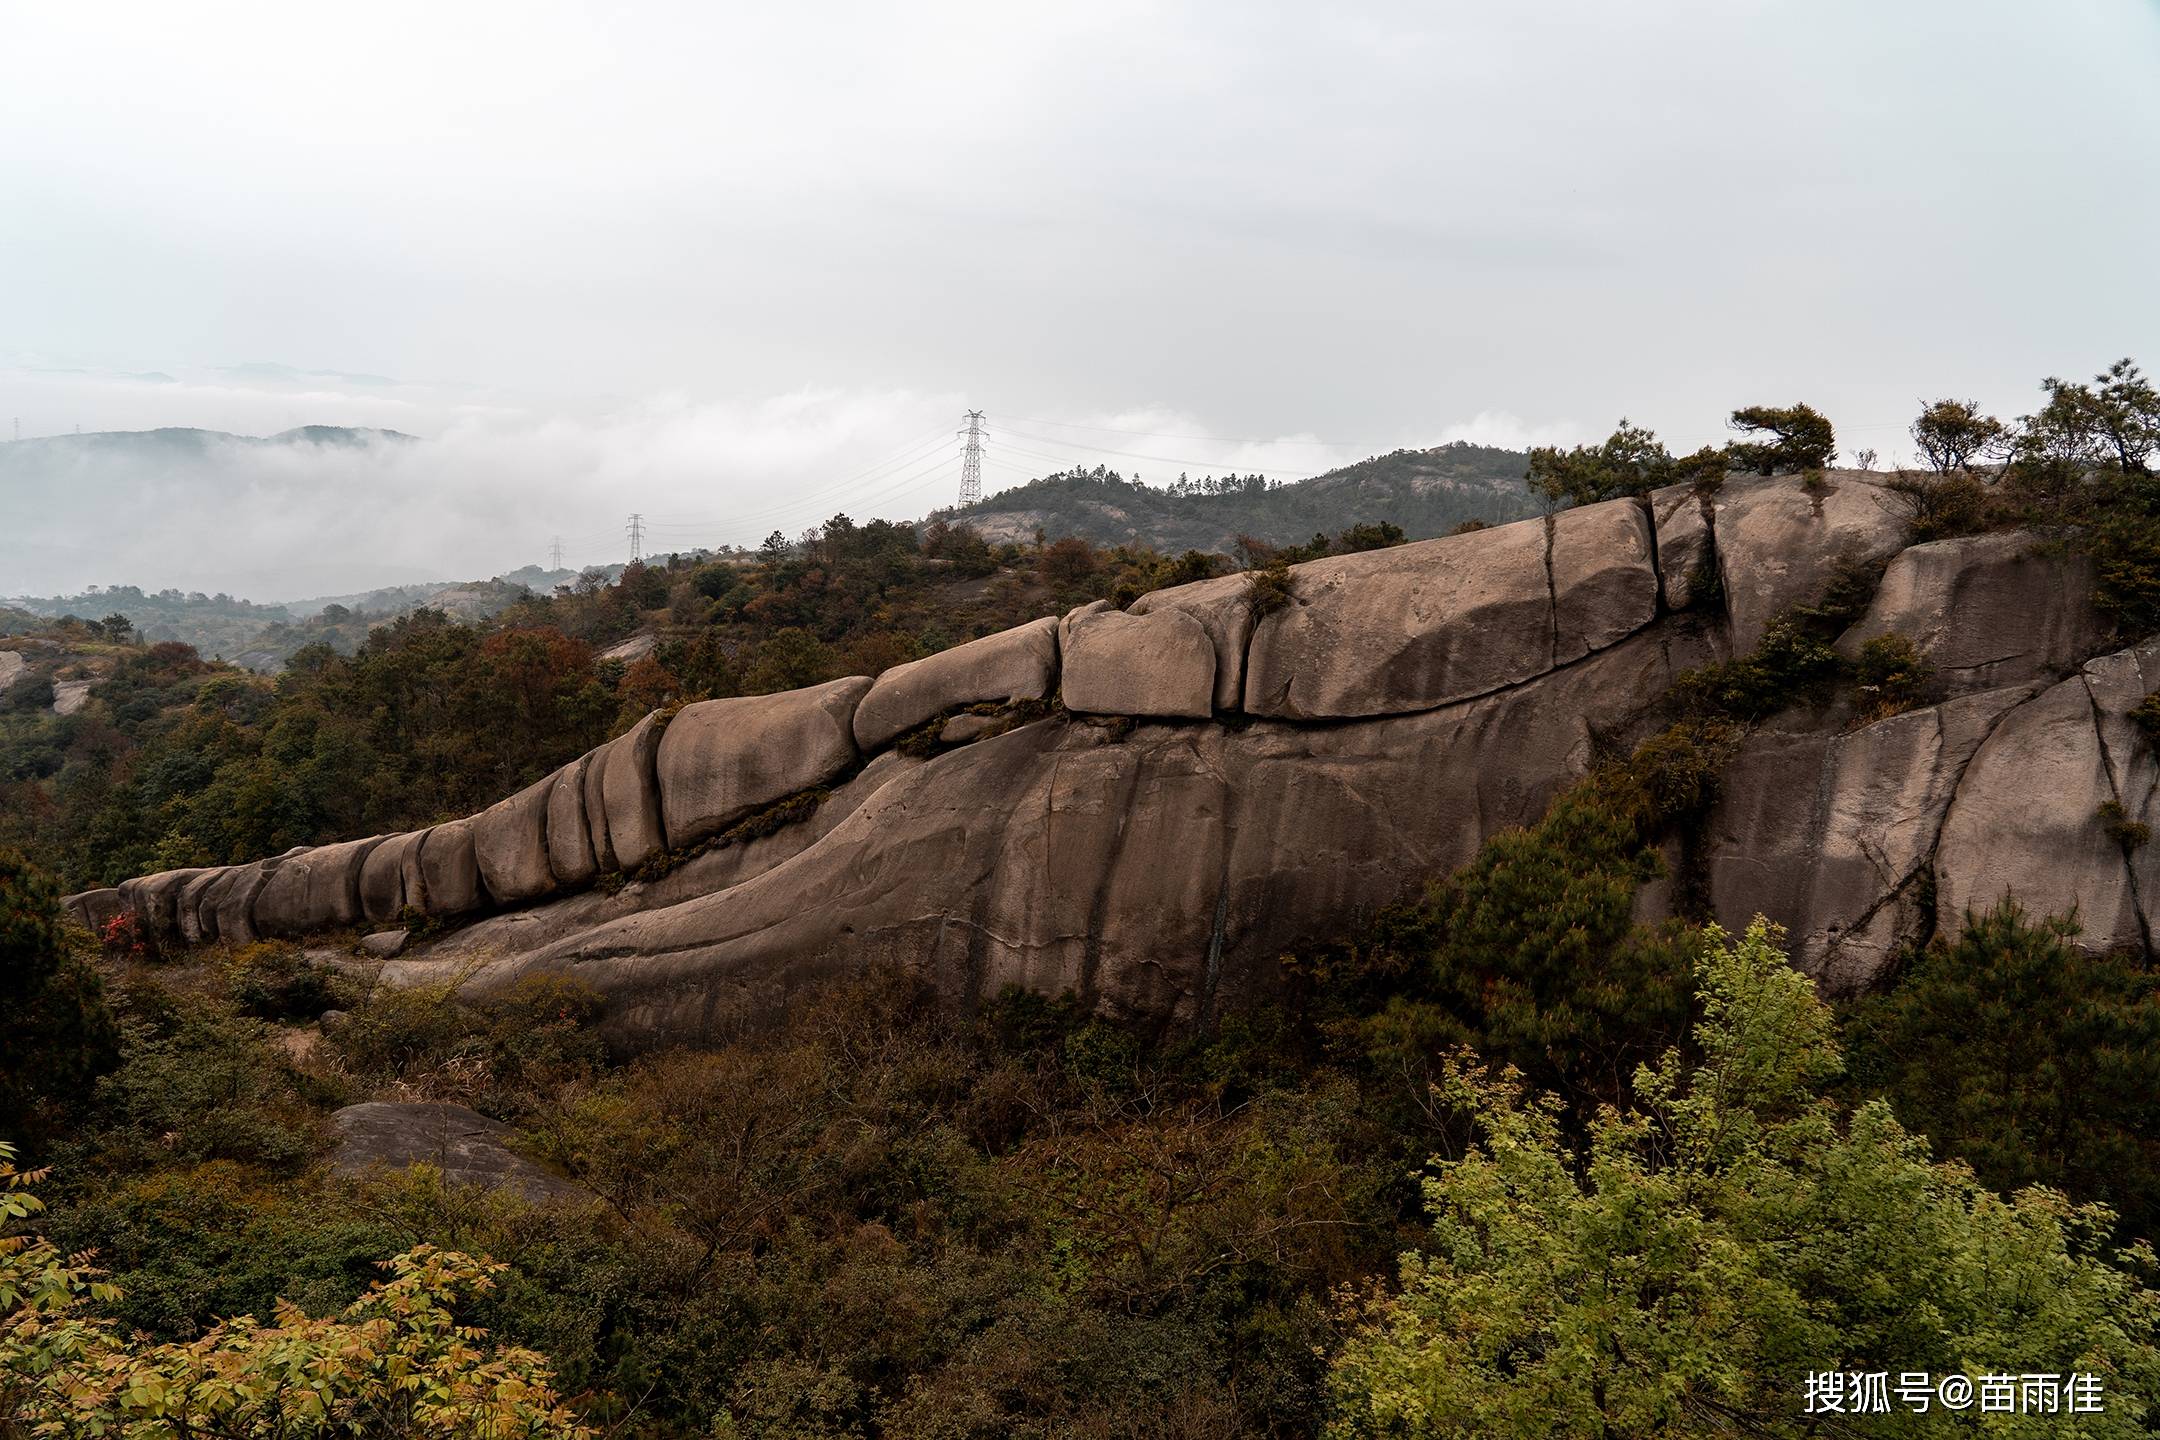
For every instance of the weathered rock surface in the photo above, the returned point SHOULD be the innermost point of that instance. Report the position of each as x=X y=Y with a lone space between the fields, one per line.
x=155 y=899
x=315 y=890
x=1161 y=664
x=1287 y=778
x=1832 y=833
x=1604 y=584
x=500 y=936
x=510 y=845
x=961 y=729
x=94 y=909
x=1411 y=628
x=2026 y=822
x=1987 y=610
x=384 y=875
x=592 y=780
x=449 y=875
x=197 y=924
x=1188 y=855
x=629 y=794
x=1017 y=664
x=722 y=760
x=467 y=1147
x=384 y=944
x=1686 y=547
x=1225 y=613
x=569 y=831
x=70 y=696
x=1780 y=542
x=234 y=901
x=1389 y=632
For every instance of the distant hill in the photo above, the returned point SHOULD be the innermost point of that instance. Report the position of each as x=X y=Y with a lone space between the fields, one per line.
x=263 y=636
x=1427 y=492
x=176 y=443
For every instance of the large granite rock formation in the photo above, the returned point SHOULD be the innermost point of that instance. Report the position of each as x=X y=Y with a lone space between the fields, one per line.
x=1218 y=786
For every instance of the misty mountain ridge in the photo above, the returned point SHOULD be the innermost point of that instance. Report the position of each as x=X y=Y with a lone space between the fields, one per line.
x=177 y=441
x=1427 y=492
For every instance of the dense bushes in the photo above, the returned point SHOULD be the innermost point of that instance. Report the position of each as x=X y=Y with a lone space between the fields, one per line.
x=2033 y=1060
x=885 y=1220
x=55 y=1031
x=1728 y=1233
x=396 y=1362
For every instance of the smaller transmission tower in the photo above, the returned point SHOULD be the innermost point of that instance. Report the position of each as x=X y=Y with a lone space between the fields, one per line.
x=637 y=538
x=971 y=460
x=555 y=553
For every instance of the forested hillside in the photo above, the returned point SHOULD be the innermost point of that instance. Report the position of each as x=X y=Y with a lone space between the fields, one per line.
x=1426 y=492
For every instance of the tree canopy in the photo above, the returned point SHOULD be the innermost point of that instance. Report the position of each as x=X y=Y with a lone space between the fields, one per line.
x=1727 y=1235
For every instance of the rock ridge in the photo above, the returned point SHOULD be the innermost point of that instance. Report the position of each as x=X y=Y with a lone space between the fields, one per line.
x=1180 y=790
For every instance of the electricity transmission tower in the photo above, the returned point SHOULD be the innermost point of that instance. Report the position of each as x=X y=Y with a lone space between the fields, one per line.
x=555 y=554
x=637 y=538
x=971 y=460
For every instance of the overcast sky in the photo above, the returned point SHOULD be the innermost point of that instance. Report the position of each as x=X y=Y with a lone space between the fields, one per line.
x=710 y=261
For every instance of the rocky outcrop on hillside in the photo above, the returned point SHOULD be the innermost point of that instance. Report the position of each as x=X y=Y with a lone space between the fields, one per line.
x=1146 y=807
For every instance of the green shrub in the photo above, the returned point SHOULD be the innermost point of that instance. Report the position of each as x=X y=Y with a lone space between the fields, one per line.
x=1269 y=587
x=1681 y=1270
x=196 y=1082
x=502 y=1054
x=56 y=1032
x=394 y=1363
x=1791 y=666
x=1941 y=506
x=1800 y=439
x=274 y=981
x=2146 y=716
x=2037 y=1062
x=1889 y=676
x=2127 y=834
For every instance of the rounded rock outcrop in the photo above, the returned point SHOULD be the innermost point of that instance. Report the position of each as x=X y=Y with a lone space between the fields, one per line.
x=510 y=845
x=720 y=760
x=449 y=875
x=1016 y=664
x=1159 y=665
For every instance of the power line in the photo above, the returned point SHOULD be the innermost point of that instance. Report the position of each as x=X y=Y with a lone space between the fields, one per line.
x=899 y=460
x=917 y=467
x=636 y=528
x=1218 y=439
x=971 y=461
x=555 y=554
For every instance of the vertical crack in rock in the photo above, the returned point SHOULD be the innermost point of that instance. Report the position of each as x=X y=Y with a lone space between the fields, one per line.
x=1713 y=562
x=352 y=878
x=1552 y=598
x=2115 y=788
x=649 y=776
x=1657 y=568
